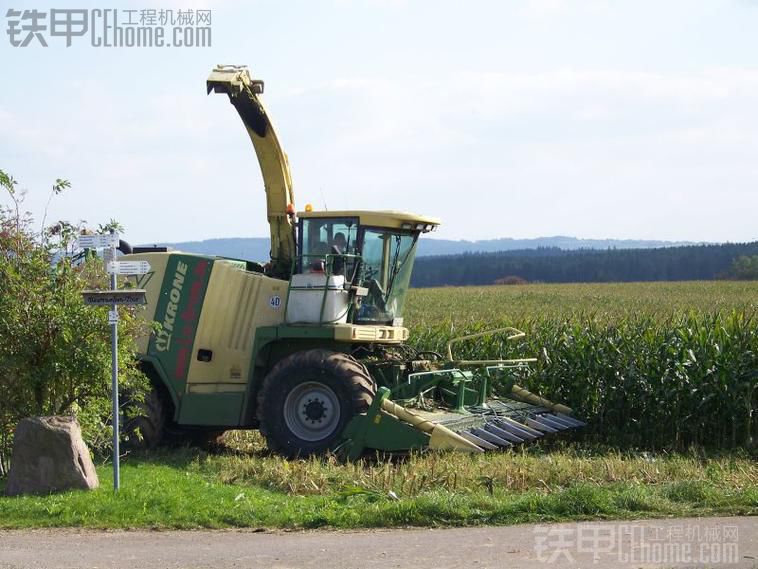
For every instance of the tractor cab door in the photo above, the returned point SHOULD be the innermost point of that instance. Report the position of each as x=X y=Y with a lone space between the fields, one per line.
x=328 y=243
x=387 y=257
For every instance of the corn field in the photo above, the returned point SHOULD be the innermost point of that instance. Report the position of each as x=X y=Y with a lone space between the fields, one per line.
x=644 y=371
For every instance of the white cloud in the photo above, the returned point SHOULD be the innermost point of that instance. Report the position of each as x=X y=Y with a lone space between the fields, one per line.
x=379 y=111
x=542 y=9
x=604 y=137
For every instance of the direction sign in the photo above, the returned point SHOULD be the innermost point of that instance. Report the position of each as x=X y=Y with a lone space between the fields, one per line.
x=110 y=242
x=107 y=297
x=97 y=241
x=128 y=267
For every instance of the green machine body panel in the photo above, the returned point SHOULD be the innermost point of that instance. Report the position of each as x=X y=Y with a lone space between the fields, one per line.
x=212 y=409
x=177 y=311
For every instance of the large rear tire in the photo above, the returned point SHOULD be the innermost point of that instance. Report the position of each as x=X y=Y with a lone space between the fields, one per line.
x=148 y=429
x=308 y=398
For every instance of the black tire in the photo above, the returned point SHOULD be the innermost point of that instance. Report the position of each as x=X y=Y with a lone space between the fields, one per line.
x=308 y=398
x=151 y=423
x=207 y=438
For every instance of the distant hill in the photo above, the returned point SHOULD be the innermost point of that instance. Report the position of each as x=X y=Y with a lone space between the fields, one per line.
x=431 y=246
x=257 y=248
x=249 y=248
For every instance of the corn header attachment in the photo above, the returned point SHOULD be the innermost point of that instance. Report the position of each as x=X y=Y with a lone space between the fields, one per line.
x=452 y=409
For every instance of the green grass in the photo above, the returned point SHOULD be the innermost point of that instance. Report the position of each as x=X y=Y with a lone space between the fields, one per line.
x=245 y=487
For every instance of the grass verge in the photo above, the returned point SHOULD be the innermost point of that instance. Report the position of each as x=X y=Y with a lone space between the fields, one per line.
x=243 y=487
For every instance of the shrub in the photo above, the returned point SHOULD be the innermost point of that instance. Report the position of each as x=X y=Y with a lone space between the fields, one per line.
x=55 y=351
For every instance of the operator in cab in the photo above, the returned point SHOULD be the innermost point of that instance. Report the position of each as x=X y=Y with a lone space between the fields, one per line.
x=339 y=247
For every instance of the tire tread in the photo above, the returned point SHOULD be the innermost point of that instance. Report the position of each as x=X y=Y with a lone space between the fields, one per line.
x=357 y=378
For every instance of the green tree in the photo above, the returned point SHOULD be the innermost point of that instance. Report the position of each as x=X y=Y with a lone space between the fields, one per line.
x=54 y=350
x=744 y=268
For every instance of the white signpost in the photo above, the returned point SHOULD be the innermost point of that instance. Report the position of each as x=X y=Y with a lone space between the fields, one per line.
x=98 y=241
x=113 y=298
x=128 y=267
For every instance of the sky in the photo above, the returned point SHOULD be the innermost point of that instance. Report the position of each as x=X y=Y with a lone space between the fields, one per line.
x=629 y=119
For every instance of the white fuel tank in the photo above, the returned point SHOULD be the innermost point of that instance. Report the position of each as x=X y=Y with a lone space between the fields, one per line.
x=307 y=296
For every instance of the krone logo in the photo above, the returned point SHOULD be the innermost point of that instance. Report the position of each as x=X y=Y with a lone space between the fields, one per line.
x=163 y=338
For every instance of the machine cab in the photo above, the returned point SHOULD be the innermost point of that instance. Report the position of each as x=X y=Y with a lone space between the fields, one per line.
x=354 y=266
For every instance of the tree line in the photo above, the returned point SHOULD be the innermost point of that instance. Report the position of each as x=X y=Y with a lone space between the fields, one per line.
x=552 y=265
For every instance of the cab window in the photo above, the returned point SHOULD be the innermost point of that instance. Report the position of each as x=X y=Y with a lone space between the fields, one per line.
x=320 y=236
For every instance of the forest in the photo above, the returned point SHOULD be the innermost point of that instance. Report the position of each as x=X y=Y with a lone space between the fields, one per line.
x=552 y=265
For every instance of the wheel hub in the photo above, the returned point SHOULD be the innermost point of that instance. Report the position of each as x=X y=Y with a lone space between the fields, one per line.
x=312 y=411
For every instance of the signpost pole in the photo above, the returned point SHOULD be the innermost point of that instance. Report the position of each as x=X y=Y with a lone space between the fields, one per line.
x=114 y=297
x=114 y=379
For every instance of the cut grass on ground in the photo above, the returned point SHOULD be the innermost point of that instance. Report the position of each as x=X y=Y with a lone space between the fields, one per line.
x=244 y=487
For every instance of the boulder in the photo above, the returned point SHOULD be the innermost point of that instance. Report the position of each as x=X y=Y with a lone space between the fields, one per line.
x=49 y=455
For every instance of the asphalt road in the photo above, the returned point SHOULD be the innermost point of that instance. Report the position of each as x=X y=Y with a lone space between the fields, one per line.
x=693 y=542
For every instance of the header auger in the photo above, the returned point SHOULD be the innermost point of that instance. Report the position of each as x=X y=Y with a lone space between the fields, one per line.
x=310 y=347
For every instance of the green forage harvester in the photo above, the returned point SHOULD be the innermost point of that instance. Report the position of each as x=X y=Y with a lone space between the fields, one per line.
x=309 y=347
